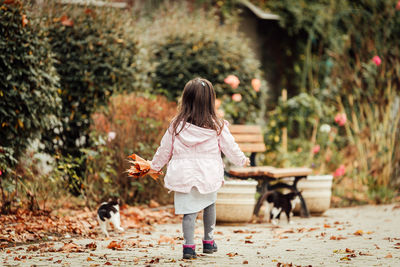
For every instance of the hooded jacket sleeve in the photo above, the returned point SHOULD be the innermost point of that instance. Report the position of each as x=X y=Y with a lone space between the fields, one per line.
x=164 y=151
x=230 y=148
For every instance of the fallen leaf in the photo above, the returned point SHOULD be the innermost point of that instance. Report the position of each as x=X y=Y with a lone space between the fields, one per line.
x=327 y=226
x=358 y=232
x=349 y=250
x=89 y=259
x=115 y=245
x=245 y=262
x=339 y=251
x=364 y=254
x=337 y=237
x=154 y=260
x=345 y=259
x=290 y=231
x=248 y=242
x=91 y=246
x=281 y=264
x=389 y=256
x=107 y=263
x=376 y=246
x=249 y=237
x=70 y=247
x=232 y=254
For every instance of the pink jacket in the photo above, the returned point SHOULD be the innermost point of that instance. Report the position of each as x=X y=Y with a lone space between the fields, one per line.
x=194 y=158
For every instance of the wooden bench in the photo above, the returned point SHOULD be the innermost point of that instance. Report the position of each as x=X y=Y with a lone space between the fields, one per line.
x=250 y=139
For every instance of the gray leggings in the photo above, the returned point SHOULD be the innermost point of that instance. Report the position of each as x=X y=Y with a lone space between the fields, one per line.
x=189 y=220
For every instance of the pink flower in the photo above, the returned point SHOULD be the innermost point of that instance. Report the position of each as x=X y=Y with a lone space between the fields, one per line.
x=256 y=83
x=339 y=171
x=1 y=172
x=316 y=149
x=398 y=5
x=377 y=60
x=341 y=119
x=217 y=103
x=232 y=80
x=237 y=97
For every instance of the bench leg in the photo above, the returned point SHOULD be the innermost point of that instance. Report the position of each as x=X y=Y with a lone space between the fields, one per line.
x=262 y=189
x=266 y=189
x=260 y=201
x=304 y=210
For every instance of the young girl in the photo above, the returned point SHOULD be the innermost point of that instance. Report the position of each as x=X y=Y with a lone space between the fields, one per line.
x=192 y=148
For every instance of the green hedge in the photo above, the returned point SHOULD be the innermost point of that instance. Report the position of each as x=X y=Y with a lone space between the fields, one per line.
x=29 y=103
x=94 y=59
x=191 y=44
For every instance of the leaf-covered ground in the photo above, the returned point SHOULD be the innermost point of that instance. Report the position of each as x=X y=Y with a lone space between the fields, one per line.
x=357 y=236
x=27 y=227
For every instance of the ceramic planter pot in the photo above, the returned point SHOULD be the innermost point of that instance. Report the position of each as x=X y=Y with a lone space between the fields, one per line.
x=235 y=201
x=316 y=191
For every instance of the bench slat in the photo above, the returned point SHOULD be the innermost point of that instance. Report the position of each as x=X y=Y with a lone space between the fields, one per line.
x=269 y=171
x=246 y=129
x=250 y=171
x=248 y=138
x=252 y=147
x=288 y=172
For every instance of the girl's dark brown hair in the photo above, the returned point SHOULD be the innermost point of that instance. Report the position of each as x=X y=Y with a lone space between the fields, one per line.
x=197 y=106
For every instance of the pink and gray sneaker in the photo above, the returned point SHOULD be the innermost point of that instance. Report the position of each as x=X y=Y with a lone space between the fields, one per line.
x=189 y=252
x=209 y=246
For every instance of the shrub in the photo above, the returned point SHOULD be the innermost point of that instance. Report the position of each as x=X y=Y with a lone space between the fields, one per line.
x=302 y=115
x=187 y=44
x=94 y=60
x=29 y=103
x=135 y=124
x=95 y=185
x=38 y=185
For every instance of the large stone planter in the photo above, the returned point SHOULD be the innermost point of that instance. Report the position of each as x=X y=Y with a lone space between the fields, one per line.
x=316 y=191
x=235 y=201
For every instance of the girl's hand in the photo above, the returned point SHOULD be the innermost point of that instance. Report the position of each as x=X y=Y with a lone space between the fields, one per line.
x=247 y=164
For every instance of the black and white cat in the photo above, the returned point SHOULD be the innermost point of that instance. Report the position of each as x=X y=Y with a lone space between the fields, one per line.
x=278 y=202
x=108 y=212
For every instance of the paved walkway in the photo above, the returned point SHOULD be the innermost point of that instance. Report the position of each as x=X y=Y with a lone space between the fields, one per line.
x=357 y=236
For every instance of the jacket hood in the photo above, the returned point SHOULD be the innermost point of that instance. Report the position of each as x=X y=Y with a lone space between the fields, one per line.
x=192 y=135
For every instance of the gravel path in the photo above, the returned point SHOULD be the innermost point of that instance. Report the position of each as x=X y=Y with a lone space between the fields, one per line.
x=357 y=236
